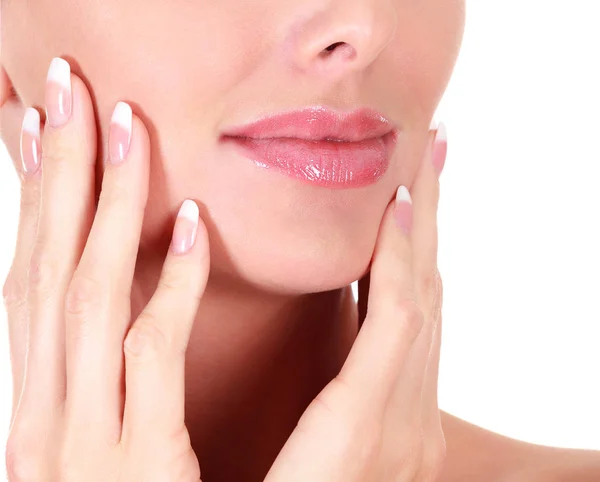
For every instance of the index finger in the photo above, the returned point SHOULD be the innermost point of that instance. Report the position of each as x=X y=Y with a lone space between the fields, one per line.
x=393 y=319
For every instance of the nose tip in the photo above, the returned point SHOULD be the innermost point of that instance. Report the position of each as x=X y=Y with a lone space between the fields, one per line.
x=348 y=36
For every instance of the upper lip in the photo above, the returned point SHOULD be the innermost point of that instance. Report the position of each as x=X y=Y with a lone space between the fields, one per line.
x=317 y=123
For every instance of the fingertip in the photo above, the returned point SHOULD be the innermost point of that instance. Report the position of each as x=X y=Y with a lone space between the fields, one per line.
x=186 y=228
x=403 y=210
x=392 y=259
x=30 y=144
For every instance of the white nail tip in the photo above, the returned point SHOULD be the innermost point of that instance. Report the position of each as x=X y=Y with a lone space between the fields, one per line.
x=433 y=126
x=31 y=122
x=441 y=133
x=402 y=195
x=122 y=115
x=60 y=72
x=189 y=210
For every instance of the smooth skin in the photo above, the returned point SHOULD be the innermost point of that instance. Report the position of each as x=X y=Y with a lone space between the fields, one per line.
x=377 y=421
x=112 y=410
x=256 y=359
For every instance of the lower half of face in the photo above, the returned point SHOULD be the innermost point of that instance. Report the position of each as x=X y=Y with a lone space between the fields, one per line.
x=194 y=70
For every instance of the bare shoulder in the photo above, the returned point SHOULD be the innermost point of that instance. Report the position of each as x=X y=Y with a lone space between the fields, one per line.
x=551 y=464
x=475 y=454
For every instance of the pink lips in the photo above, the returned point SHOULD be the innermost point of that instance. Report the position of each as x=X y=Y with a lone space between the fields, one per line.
x=320 y=146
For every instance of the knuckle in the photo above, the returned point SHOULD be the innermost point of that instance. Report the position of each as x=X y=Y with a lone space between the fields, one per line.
x=183 y=459
x=14 y=293
x=176 y=283
x=410 y=316
x=328 y=400
x=43 y=273
x=145 y=338
x=22 y=464
x=429 y=281
x=118 y=192
x=171 y=281
x=84 y=295
x=10 y=291
x=57 y=149
x=56 y=165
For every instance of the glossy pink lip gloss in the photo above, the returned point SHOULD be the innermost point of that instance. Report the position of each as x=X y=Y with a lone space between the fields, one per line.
x=320 y=146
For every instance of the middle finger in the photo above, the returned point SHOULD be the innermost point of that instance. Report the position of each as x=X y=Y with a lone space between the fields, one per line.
x=98 y=306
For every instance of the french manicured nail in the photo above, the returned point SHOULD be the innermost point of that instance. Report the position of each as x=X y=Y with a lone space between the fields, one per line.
x=186 y=226
x=440 y=148
x=404 y=210
x=58 y=92
x=31 y=148
x=119 y=133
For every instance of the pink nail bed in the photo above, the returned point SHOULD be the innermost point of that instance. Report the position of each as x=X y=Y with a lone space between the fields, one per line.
x=31 y=149
x=119 y=133
x=58 y=93
x=404 y=209
x=186 y=226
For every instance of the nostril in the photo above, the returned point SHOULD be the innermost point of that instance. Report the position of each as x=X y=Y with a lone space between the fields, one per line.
x=333 y=46
x=341 y=50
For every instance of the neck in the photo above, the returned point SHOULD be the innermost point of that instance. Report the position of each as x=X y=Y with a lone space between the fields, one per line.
x=254 y=362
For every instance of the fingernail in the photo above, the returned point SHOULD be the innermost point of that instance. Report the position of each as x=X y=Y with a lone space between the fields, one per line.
x=440 y=149
x=31 y=150
x=186 y=225
x=404 y=209
x=58 y=92
x=119 y=133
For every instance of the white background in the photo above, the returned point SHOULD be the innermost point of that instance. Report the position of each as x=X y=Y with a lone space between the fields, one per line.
x=519 y=225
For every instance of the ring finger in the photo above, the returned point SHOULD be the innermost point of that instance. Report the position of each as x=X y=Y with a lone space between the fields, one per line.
x=66 y=207
x=426 y=191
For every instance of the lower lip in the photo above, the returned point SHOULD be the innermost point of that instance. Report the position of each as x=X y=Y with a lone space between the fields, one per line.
x=332 y=164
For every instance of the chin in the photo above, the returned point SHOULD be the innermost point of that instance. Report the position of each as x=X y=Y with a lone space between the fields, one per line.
x=296 y=261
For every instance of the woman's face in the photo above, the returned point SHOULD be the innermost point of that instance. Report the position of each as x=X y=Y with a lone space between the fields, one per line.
x=192 y=69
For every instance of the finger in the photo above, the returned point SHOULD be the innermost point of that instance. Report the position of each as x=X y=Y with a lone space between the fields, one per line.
x=432 y=420
x=156 y=344
x=393 y=318
x=433 y=289
x=15 y=293
x=68 y=158
x=417 y=387
x=426 y=192
x=414 y=400
x=98 y=305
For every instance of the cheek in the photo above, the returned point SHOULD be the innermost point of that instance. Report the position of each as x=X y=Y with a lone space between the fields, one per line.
x=419 y=63
x=183 y=82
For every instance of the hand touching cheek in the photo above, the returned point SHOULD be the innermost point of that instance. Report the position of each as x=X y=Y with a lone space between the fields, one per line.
x=68 y=301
